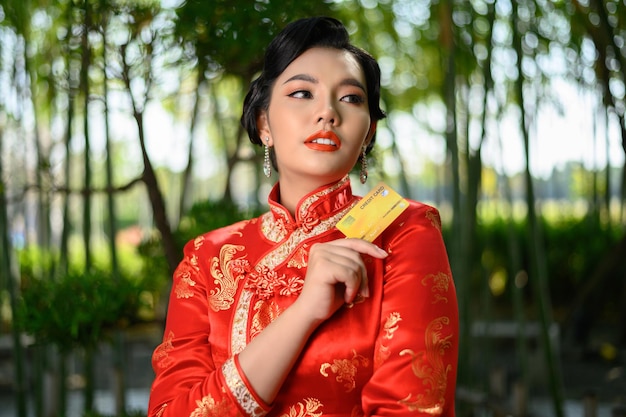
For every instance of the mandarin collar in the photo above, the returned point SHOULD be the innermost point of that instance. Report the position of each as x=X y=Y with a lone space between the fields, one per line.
x=314 y=207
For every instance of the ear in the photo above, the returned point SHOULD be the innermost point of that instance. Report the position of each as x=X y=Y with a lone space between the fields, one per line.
x=370 y=133
x=263 y=127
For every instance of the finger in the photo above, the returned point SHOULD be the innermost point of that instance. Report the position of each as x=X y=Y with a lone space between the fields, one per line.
x=341 y=266
x=354 y=287
x=346 y=251
x=353 y=276
x=364 y=289
x=361 y=246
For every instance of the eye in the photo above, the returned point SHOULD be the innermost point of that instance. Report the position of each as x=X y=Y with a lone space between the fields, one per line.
x=353 y=98
x=301 y=94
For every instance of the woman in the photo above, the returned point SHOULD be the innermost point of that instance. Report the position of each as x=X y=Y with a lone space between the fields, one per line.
x=282 y=315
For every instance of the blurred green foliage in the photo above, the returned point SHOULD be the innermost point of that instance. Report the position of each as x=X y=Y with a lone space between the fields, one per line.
x=78 y=309
x=574 y=248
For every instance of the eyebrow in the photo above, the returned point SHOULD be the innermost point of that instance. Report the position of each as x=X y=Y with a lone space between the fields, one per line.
x=306 y=77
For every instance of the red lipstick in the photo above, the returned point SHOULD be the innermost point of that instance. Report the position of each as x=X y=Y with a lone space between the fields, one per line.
x=324 y=140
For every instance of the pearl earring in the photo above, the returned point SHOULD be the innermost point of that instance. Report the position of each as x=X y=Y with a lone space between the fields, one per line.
x=363 y=175
x=267 y=165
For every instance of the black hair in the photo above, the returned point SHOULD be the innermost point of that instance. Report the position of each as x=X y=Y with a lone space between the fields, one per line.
x=296 y=38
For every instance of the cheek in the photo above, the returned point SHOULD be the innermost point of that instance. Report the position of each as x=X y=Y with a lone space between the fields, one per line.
x=365 y=126
x=284 y=119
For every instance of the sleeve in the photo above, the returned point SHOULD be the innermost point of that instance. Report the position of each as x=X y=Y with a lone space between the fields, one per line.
x=416 y=350
x=187 y=381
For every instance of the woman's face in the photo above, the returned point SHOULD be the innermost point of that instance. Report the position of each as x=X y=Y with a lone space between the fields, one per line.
x=318 y=119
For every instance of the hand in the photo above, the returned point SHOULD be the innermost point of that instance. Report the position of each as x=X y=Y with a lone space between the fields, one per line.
x=335 y=274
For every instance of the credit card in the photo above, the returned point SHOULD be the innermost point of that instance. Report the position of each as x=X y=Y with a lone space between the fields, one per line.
x=373 y=213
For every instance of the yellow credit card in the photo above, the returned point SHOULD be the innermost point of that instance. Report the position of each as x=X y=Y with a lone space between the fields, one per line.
x=373 y=213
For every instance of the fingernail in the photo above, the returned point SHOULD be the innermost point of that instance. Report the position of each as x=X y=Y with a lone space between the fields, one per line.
x=382 y=251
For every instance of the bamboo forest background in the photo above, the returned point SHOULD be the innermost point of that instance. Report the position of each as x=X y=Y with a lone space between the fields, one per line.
x=120 y=140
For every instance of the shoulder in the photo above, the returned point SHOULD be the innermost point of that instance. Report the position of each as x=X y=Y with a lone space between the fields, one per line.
x=419 y=213
x=231 y=234
x=416 y=221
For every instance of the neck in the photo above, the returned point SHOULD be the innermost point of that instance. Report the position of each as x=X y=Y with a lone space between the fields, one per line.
x=292 y=190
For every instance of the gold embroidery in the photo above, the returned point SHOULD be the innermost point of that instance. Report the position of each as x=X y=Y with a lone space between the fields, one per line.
x=208 y=407
x=273 y=228
x=345 y=369
x=282 y=251
x=299 y=259
x=291 y=286
x=304 y=207
x=266 y=283
x=265 y=314
x=240 y=322
x=429 y=367
x=309 y=409
x=441 y=283
x=390 y=327
x=161 y=353
x=182 y=276
x=435 y=220
x=198 y=242
x=161 y=410
x=382 y=354
x=239 y=390
x=222 y=270
x=277 y=226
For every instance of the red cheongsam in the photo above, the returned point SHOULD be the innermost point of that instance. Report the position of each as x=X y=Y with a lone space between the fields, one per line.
x=391 y=354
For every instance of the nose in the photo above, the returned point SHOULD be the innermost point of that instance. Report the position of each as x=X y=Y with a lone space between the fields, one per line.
x=328 y=115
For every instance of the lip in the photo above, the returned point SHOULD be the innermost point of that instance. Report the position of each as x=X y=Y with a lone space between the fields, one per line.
x=323 y=134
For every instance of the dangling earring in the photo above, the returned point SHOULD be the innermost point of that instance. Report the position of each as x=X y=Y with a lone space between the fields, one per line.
x=363 y=176
x=267 y=165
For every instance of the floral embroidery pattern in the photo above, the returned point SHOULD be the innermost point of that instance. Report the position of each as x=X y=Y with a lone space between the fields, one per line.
x=266 y=283
x=161 y=353
x=208 y=407
x=434 y=218
x=198 y=242
x=233 y=271
x=265 y=313
x=292 y=286
x=273 y=228
x=440 y=284
x=183 y=275
x=390 y=327
x=309 y=409
x=429 y=367
x=345 y=369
